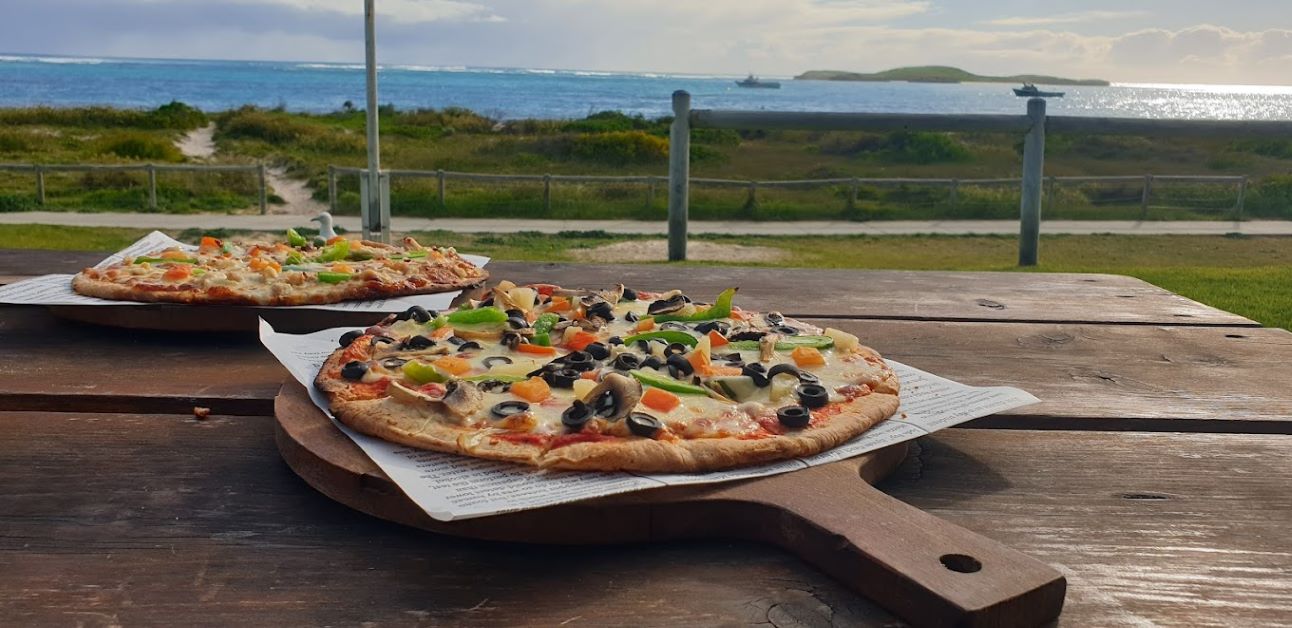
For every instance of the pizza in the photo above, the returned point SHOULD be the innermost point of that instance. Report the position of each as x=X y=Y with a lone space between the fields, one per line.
x=294 y=272
x=607 y=380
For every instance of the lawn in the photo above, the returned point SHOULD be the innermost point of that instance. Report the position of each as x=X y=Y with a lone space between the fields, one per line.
x=1245 y=275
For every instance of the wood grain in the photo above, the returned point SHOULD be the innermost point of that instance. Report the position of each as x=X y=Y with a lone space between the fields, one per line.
x=1088 y=376
x=883 y=294
x=163 y=520
x=925 y=570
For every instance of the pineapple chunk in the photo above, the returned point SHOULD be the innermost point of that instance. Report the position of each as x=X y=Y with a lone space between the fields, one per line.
x=582 y=387
x=844 y=342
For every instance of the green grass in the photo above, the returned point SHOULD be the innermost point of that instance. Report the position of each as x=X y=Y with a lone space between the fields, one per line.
x=1245 y=275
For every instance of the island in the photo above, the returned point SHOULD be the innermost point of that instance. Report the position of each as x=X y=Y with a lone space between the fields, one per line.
x=941 y=74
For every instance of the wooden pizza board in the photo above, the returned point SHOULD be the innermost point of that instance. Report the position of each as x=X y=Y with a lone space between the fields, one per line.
x=925 y=570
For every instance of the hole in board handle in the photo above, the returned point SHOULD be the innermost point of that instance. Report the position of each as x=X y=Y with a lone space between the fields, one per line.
x=960 y=563
x=1235 y=336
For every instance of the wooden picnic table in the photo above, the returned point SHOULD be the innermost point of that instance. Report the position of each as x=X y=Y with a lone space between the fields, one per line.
x=1153 y=474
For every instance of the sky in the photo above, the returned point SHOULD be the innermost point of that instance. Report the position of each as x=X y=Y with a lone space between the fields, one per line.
x=1156 y=41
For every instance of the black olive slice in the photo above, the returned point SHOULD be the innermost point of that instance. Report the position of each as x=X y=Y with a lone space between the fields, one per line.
x=757 y=373
x=680 y=362
x=416 y=313
x=652 y=362
x=709 y=326
x=576 y=357
x=615 y=340
x=494 y=385
x=664 y=306
x=674 y=325
x=393 y=363
x=576 y=416
x=674 y=349
x=643 y=424
x=629 y=295
x=381 y=340
x=456 y=340
x=517 y=322
x=514 y=313
x=644 y=345
x=626 y=361
x=786 y=330
x=511 y=339
x=731 y=357
x=354 y=370
x=603 y=310
x=631 y=317
x=505 y=409
x=774 y=318
x=598 y=351
x=417 y=342
x=747 y=335
x=350 y=336
x=563 y=378
x=486 y=302
x=813 y=395
x=794 y=416
x=495 y=359
x=470 y=345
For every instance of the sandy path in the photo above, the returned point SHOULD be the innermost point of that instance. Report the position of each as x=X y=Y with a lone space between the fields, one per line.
x=655 y=250
x=199 y=145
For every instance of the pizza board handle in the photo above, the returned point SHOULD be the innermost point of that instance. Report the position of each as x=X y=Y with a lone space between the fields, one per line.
x=923 y=569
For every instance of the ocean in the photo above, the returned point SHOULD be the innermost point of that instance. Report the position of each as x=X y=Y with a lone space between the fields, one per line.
x=509 y=93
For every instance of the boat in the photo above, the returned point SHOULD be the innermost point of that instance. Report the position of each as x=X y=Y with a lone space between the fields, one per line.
x=754 y=81
x=1030 y=90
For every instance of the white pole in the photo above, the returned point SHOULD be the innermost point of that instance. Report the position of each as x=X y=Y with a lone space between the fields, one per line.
x=372 y=203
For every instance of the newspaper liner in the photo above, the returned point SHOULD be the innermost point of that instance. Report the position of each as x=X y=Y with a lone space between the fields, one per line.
x=57 y=289
x=450 y=487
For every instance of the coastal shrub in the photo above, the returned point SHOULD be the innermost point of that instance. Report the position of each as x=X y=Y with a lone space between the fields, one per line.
x=712 y=137
x=100 y=180
x=609 y=121
x=139 y=146
x=1270 y=198
x=460 y=119
x=923 y=148
x=1101 y=147
x=253 y=124
x=621 y=147
x=178 y=115
x=13 y=143
x=849 y=144
x=174 y=115
x=11 y=202
x=1279 y=149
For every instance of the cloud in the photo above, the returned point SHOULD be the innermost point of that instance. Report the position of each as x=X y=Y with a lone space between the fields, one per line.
x=399 y=11
x=1066 y=18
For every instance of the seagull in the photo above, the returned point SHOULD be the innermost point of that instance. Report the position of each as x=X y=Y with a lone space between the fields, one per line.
x=325 y=225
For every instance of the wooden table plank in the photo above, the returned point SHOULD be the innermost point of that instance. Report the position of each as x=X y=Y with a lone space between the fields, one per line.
x=1089 y=376
x=882 y=294
x=164 y=517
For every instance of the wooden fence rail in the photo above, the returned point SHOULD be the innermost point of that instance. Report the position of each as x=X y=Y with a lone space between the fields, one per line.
x=1034 y=125
x=39 y=170
x=854 y=183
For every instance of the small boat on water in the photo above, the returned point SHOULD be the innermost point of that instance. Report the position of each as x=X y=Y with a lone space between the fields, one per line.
x=1029 y=90
x=754 y=81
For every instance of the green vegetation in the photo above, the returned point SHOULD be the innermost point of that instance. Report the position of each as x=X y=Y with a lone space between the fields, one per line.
x=1245 y=275
x=941 y=74
x=612 y=143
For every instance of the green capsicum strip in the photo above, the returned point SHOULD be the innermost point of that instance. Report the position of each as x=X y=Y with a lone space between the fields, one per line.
x=478 y=316
x=295 y=239
x=543 y=329
x=294 y=258
x=331 y=277
x=667 y=335
x=438 y=322
x=787 y=343
x=165 y=260
x=335 y=252
x=663 y=382
x=423 y=373
x=721 y=308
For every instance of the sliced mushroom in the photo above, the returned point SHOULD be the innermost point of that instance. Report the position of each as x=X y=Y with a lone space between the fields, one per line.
x=464 y=398
x=404 y=394
x=613 y=296
x=668 y=305
x=767 y=347
x=385 y=351
x=625 y=391
x=489 y=334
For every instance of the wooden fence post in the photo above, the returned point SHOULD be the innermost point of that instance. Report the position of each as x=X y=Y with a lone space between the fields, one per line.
x=547 y=192
x=40 y=185
x=752 y=201
x=852 y=194
x=955 y=194
x=650 y=192
x=440 y=175
x=1143 y=199
x=679 y=175
x=1029 y=232
x=264 y=191
x=152 y=187
x=331 y=188
x=1049 y=196
x=1238 y=204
